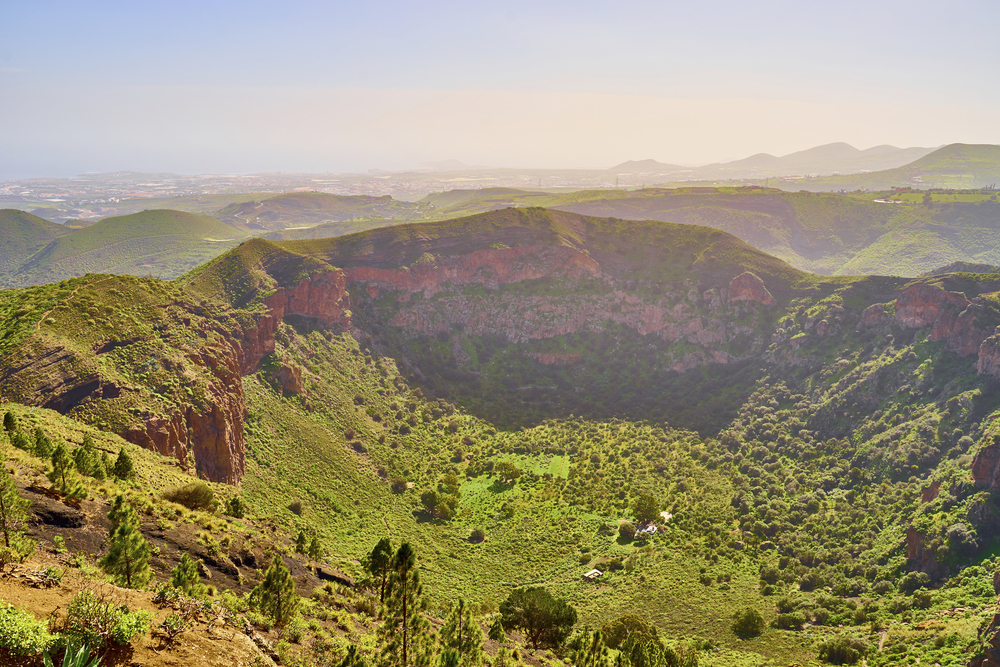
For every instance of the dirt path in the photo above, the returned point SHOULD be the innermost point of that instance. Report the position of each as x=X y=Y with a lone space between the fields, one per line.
x=64 y=301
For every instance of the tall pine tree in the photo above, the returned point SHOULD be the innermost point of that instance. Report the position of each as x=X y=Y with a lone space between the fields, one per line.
x=276 y=596
x=128 y=557
x=404 y=633
x=13 y=511
x=462 y=633
x=379 y=563
x=63 y=474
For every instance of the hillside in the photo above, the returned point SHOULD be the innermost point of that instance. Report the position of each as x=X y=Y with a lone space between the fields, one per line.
x=829 y=233
x=23 y=234
x=505 y=391
x=951 y=166
x=308 y=209
x=160 y=242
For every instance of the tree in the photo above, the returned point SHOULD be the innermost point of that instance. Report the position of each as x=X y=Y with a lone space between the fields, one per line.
x=496 y=631
x=641 y=651
x=379 y=563
x=645 y=509
x=43 y=445
x=748 y=623
x=589 y=650
x=506 y=472
x=185 y=577
x=301 y=543
x=449 y=658
x=276 y=596
x=616 y=632
x=236 y=507
x=627 y=531
x=404 y=632
x=20 y=440
x=546 y=620
x=124 y=469
x=121 y=511
x=13 y=512
x=462 y=633
x=9 y=422
x=63 y=476
x=128 y=557
x=87 y=460
x=315 y=548
x=353 y=658
x=429 y=499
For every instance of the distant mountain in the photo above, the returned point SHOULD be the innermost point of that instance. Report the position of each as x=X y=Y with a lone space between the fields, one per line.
x=23 y=235
x=307 y=209
x=161 y=243
x=644 y=166
x=835 y=158
x=951 y=166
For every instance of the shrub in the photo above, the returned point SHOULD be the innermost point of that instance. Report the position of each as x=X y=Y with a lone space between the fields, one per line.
x=194 y=496
x=789 y=621
x=236 y=507
x=97 y=620
x=21 y=634
x=295 y=507
x=627 y=531
x=843 y=650
x=748 y=623
x=478 y=535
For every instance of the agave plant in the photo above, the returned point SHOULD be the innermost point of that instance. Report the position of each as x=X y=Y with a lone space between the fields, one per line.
x=74 y=658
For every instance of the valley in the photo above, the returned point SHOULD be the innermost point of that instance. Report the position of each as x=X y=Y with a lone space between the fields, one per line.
x=504 y=391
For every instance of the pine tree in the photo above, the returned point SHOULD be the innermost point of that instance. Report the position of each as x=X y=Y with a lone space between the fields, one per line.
x=301 y=545
x=353 y=658
x=379 y=563
x=589 y=650
x=43 y=446
x=123 y=466
x=276 y=595
x=185 y=577
x=121 y=511
x=13 y=510
x=449 y=658
x=462 y=633
x=107 y=468
x=9 y=422
x=63 y=476
x=404 y=633
x=315 y=549
x=21 y=440
x=128 y=557
x=496 y=631
x=86 y=458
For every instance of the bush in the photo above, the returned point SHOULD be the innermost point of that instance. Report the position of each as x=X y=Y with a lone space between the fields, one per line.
x=478 y=535
x=236 y=508
x=627 y=531
x=97 y=620
x=295 y=507
x=843 y=650
x=789 y=621
x=194 y=496
x=21 y=634
x=748 y=623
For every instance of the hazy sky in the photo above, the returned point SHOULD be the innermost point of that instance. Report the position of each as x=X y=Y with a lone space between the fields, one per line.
x=204 y=86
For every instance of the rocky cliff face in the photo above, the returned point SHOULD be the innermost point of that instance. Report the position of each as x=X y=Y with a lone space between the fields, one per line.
x=205 y=420
x=429 y=300
x=952 y=318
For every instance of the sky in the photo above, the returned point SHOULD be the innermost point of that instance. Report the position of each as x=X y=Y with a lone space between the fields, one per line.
x=242 y=87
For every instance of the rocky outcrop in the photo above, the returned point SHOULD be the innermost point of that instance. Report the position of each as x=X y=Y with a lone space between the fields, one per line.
x=989 y=356
x=289 y=379
x=921 y=554
x=323 y=297
x=748 y=287
x=986 y=464
x=952 y=318
x=489 y=268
